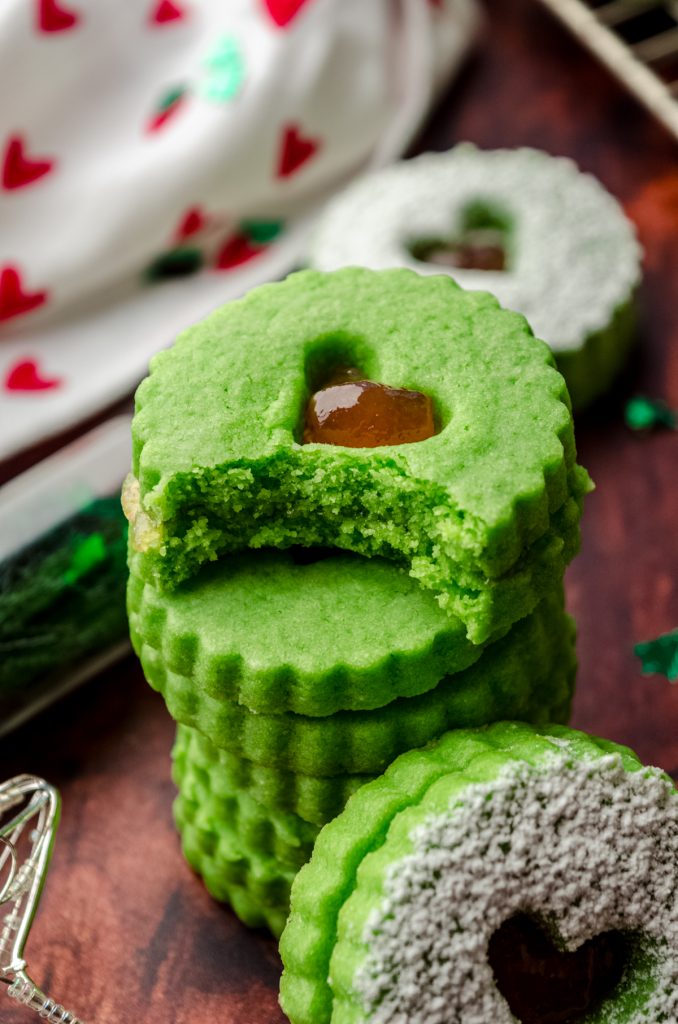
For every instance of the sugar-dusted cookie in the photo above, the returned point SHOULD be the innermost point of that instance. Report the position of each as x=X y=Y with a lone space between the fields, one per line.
x=484 y=513
x=529 y=674
x=448 y=888
x=544 y=238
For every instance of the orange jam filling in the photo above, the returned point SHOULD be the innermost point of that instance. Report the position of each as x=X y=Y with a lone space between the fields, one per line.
x=358 y=413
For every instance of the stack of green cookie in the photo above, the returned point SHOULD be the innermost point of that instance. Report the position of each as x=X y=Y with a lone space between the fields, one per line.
x=436 y=602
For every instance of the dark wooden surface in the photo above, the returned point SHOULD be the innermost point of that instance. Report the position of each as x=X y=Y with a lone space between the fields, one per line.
x=126 y=934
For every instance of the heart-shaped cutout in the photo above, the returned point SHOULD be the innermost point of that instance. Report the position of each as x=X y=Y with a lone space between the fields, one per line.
x=544 y=985
x=481 y=243
x=26 y=375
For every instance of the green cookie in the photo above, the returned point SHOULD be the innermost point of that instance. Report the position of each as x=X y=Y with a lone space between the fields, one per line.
x=316 y=799
x=247 y=854
x=393 y=918
x=257 y=890
x=529 y=675
x=484 y=514
x=342 y=633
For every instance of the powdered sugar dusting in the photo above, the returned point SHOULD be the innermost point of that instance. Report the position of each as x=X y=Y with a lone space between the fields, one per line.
x=586 y=845
x=573 y=256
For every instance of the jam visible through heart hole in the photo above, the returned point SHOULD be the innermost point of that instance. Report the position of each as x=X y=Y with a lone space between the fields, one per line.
x=355 y=412
x=544 y=985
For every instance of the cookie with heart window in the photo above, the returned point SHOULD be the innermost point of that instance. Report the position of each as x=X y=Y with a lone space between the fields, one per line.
x=475 y=490
x=546 y=239
x=499 y=874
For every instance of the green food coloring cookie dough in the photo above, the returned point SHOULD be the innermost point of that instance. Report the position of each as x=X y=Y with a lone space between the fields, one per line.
x=393 y=918
x=484 y=514
x=314 y=798
x=344 y=633
x=247 y=854
x=529 y=674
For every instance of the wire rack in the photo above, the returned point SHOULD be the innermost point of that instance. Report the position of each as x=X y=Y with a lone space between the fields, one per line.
x=637 y=40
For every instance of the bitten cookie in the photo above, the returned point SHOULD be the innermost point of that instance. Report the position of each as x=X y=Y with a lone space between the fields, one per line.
x=484 y=513
x=544 y=238
x=422 y=896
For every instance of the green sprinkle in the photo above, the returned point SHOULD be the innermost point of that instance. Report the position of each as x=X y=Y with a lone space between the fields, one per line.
x=647 y=413
x=262 y=231
x=176 y=263
x=660 y=655
x=90 y=552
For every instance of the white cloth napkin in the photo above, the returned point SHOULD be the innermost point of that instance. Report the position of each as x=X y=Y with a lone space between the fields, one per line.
x=158 y=157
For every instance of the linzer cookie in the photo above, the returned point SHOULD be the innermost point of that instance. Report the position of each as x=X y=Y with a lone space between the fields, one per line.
x=499 y=875
x=544 y=238
x=483 y=514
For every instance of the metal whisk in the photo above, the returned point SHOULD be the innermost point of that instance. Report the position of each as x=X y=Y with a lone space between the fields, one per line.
x=29 y=815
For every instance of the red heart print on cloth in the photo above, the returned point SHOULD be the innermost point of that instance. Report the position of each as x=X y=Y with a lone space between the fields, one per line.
x=19 y=168
x=193 y=221
x=165 y=11
x=238 y=249
x=27 y=376
x=14 y=300
x=167 y=108
x=283 y=11
x=56 y=17
x=295 y=150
